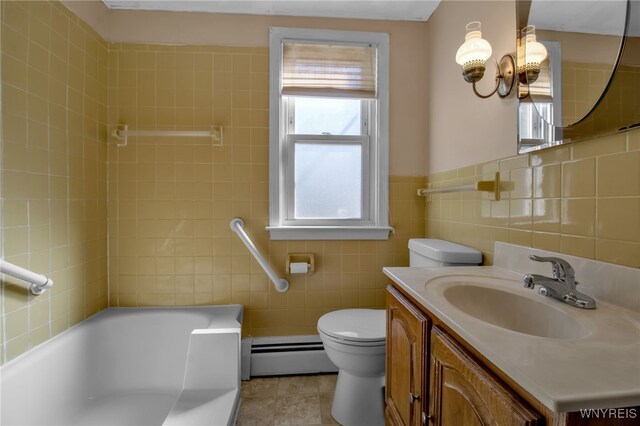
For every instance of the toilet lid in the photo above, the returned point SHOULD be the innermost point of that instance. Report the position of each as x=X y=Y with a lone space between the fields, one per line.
x=363 y=325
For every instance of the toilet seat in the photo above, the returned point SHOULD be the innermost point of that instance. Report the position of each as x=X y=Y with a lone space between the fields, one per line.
x=326 y=339
x=364 y=327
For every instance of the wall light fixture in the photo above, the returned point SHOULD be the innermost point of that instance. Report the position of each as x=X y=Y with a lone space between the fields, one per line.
x=534 y=53
x=473 y=55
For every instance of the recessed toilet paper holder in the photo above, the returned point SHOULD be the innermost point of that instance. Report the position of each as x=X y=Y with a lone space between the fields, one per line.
x=295 y=263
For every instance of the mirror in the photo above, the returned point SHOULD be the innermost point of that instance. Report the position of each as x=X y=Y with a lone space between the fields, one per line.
x=583 y=41
x=588 y=80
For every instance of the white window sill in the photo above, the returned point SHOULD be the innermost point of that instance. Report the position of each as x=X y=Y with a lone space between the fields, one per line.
x=329 y=232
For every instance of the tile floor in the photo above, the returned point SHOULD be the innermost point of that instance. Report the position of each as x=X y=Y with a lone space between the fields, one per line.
x=287 y=401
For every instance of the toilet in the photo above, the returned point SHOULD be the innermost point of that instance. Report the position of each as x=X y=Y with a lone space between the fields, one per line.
x=355 y=340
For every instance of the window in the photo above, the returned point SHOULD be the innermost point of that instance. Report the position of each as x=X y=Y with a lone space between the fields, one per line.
x=328 y=135
x=541 y=113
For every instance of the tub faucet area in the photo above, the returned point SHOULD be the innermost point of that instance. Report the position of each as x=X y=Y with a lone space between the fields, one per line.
x=562 y=286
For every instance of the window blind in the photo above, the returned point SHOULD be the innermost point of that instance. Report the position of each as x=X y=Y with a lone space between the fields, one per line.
x=329 y=70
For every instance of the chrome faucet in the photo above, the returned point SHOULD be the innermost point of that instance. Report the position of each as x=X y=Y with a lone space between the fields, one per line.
x=562 y=286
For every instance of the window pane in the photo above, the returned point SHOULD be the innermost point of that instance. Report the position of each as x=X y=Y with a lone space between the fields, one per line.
x=316 y=116
x=534 y=120
x=328 y=181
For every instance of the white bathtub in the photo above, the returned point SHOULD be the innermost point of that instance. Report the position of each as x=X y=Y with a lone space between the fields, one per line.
x=130 y=366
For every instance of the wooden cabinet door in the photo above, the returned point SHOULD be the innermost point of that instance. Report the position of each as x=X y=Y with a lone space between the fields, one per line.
x=406 y=374
x=464 y=393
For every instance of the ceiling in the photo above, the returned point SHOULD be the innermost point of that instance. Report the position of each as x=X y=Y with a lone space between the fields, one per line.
x=593 y=17
x=399 y=10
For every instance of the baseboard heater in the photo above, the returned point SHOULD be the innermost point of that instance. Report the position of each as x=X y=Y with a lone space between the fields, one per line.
x=279 y=356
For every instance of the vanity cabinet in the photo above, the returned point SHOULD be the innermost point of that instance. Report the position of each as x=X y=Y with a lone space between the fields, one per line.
x=406 y=367
x=435 y=378
x=432 y=380
x=463 y=392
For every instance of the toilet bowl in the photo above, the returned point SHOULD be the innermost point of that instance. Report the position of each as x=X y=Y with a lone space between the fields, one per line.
x=354 y=340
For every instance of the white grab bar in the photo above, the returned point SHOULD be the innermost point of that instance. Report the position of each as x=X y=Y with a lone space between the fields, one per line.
x=122 y=133
x=39 y=283
x=237 y=226
x=481 y=185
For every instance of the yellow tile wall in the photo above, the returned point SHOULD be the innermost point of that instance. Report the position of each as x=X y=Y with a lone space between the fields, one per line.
x=171 y=199
x=581 y=199
x=582 y=85
x=53 y=173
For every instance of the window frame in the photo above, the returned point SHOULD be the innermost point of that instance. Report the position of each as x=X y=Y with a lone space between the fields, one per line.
x=367 y=108
x=281 y=168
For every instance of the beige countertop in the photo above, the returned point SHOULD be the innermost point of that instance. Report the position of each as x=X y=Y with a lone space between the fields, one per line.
x=600 y=369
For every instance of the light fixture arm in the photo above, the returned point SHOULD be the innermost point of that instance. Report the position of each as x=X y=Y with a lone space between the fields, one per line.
x=504 y=78
x=478 y=94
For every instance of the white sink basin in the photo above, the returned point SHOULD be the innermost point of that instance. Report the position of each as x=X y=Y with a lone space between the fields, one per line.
x=528 y=314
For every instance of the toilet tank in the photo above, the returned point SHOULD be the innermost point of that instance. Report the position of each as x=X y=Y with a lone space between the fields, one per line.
x=431 y=252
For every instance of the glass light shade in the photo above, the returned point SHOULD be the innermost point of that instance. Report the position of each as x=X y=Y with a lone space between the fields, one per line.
x=535 y=52
x=473 y=53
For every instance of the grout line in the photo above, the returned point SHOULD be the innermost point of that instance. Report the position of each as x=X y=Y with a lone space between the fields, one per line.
x=48 y=293
x=29 y=200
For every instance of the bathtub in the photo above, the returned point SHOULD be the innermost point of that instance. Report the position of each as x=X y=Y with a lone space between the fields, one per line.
x=130 y=366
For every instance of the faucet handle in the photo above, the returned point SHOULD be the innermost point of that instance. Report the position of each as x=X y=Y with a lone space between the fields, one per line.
x=561 y=268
